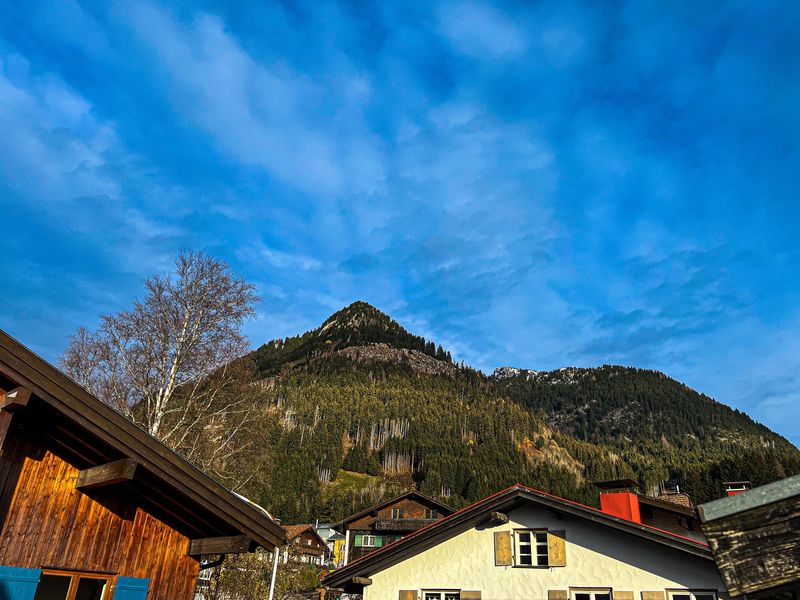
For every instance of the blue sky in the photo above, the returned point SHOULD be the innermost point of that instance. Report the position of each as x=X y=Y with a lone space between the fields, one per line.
x=537 y=184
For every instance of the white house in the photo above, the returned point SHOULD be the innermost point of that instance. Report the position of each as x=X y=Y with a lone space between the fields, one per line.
x=524 y=544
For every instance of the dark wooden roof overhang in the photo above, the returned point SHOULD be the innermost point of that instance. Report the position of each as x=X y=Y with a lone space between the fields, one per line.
x=91 y=429
x=481 y=512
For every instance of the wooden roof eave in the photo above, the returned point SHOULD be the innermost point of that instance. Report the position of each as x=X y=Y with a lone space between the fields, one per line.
x=26 y=368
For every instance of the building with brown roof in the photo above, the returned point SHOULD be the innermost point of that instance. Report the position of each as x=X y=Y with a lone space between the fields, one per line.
x=305 y=545
x=388 y=521
x=93 y=506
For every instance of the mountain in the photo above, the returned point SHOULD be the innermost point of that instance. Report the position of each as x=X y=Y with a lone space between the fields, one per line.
x=359 y=324
x=359 y=409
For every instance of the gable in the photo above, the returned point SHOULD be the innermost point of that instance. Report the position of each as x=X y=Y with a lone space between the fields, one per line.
x=416 y=499
x=491 y=509
x=413 y=507
x=595 y=557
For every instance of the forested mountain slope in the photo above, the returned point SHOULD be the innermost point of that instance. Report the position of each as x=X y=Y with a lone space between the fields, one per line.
x=360 y=408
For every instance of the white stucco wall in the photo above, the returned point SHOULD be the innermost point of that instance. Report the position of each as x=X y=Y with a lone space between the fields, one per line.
x=597 y=556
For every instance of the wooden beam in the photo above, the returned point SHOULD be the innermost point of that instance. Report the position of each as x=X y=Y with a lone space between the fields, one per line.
x=111 y=473
x=230 y=544
x=15 y=399
x=362 y=580
x=5 y=426
x=499 y=517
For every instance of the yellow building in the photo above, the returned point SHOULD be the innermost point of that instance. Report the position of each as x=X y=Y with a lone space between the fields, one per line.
x=525 y=544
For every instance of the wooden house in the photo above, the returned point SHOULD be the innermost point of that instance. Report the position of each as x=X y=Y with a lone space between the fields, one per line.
x=755 y=537
x=305 y=545
x=94 y=508
x=388 y=521
x=523 y=543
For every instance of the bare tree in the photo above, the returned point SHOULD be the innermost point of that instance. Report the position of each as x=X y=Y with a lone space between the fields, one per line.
x=168 y=364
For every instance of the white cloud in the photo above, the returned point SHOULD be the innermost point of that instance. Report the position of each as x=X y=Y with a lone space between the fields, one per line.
x=258 y=252
x=481 y=31
x=305 y=132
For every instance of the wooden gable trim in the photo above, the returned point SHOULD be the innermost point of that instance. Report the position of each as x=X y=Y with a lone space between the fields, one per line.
x=15 y=399
x=111 y=473
x=229 y=544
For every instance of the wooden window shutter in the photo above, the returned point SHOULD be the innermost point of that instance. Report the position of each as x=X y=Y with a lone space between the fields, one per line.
x=131 y=588
x=17 y=583
x=408 y=594
x=653 y=595
x=623 y=595
x=465 y=595
x=503 y=553
x=556 y=549
x=557 y=595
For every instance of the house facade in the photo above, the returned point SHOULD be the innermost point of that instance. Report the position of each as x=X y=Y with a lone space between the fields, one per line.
x=522 y=543
x=335 y=542
x=93 y=507
x=305 y=545
x=387 y=522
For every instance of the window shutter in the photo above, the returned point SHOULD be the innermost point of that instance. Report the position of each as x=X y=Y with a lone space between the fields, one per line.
x=470 y=595
x=653 y=595
x=556 y=549
x=557 y=595
x=623 y=595
x=18 y=584
x=408 y=594
x=131 y=588
x=503 y=554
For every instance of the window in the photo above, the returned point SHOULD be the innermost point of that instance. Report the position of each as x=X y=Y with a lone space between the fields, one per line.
x=398 y=513
x=431 y=513
x=368 y=541
x=532 y=549
x=692 y=595
x=441 y=595
x=60 y=585
x=598 y=594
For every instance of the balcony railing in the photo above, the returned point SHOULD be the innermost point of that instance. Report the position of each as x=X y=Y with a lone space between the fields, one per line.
x=401 y=524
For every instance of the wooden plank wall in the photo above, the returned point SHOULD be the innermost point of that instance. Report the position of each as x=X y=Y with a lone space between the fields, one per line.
x=46 y=522
x=759 y=549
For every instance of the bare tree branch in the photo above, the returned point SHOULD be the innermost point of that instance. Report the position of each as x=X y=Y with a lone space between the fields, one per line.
x=167 y=364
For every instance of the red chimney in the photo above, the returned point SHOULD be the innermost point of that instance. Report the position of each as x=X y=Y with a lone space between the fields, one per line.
x=618 y=500
x=624 y=505
x=735 y=487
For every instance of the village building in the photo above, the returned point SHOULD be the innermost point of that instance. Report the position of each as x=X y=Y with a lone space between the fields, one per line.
x=523 y=543
x=94 y=508
x=335 y=542
x=305 y=545
x=387 y=522
x=755 y=538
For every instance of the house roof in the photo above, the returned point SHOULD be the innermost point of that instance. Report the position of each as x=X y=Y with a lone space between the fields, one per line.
x=295 y=531
x=666 y=505
x=90 y=419
x=505 y=500
x=410 y=494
